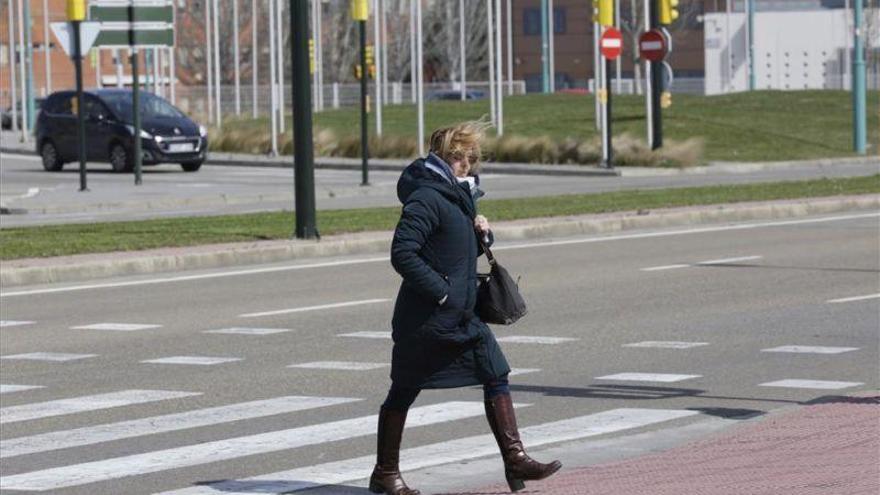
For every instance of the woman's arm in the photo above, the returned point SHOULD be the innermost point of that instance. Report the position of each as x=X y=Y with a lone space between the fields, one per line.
x=417 y=221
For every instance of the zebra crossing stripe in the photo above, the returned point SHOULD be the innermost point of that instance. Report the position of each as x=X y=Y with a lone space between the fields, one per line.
x=462 y=449
x=233 y=448
x=8 y=389
x=39 y=410
x=161 y=424
x=14 y=323
x=810 y=349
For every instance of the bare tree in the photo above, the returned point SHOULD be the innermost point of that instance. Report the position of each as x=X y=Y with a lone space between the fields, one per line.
x=442 y=39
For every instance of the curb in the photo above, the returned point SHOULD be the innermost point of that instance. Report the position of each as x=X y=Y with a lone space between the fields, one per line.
x=103 y=265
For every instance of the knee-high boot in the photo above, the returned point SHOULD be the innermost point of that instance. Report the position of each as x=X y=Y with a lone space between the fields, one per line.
x=518 y=466
x=386 y=475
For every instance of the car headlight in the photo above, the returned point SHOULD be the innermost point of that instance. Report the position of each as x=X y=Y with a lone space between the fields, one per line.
x=158 y=139
x=203 y=131
x=144 y=134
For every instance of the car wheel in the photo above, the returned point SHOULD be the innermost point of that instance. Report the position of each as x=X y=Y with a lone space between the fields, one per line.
x=191 y=166
x=51 y=159
x=120 y=159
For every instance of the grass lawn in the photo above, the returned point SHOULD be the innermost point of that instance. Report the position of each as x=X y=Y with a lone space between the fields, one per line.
x=60 y=240
x=756 y=126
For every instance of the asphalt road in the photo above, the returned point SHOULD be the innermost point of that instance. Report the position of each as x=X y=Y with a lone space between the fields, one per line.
x=49 y=198
x=757 y=288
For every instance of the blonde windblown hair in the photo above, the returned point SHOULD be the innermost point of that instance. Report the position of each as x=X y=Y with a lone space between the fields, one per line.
x=460 y=141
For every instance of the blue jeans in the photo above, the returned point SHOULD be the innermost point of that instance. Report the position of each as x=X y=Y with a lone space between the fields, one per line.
x=400 y=398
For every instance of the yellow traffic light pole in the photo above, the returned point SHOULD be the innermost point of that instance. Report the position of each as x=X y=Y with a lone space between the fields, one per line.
x=604 y=18
x=76 y=13
x=360 y=11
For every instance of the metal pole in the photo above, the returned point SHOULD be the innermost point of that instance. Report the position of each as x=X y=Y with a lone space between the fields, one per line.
x=597 y=71
x=80 y=107
x=29 y=65
x=273 y=80
x=384 y=16
x=420 y=75
x=729 y=48
x=254 y=49
x=750 y=37
x=136 y=111
x=858 y=83
x=499 y=79
x=118 y=61
x=491 y=39
x=551 y=47
x=209 y=62
x=606 y=129
x=462 y=53
x=22 y=69
x=172 y=57
x=847 y=58
x=545 y=47
x=618 y=68
x=12 y=83
x=365 y=149
x=412 y=51
x=509 y=48
x=314 y=41
x=97 y=67
x=648 y=93
x=157 y=74
x=47 y=53
x=377 y=59
x=656 y=88
x=217 y=82
x=235 y=57
x=303 y=161
x=279 y=31
x=319 y=55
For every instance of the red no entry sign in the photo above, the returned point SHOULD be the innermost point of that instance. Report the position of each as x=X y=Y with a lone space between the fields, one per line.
x=611 y=43
x=652 y=45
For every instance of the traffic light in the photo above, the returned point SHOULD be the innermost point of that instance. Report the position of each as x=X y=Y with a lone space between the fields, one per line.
x=665 y=99
x=311 y=56
x=357 y=71
x=668 y=11
x=369 y=51
x=360 y=10
x=603 y=12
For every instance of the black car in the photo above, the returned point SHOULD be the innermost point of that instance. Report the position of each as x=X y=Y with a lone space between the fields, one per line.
x=167 y=135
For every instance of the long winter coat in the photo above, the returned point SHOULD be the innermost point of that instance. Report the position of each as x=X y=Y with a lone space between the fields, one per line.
x=435 y=250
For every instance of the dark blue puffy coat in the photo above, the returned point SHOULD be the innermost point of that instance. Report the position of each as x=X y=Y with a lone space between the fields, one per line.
x=435 y=250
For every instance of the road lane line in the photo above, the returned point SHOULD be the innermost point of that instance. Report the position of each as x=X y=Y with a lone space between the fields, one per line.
x=436 y=454
x=9 y=388
x=48 y=356
x=664 y=267
x=532 y=339
x=248 y=331
x=340 y=365
x=853 y=299
x=811 y=384
x=91 y=435
x=728 y=260
x=232 y=448
x=313 y=308
x=532 y=245
x=14 y=323
x=648 y=377
x=367 y=335
x=808 y=349
x=193 y=360
x=60 y=407
x=117 y=327
x=666 y=344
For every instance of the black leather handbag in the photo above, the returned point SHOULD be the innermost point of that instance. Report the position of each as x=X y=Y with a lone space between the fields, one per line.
x=498 y=297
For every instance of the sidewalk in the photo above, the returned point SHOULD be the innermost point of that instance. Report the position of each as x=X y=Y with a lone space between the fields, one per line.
x=829 y=448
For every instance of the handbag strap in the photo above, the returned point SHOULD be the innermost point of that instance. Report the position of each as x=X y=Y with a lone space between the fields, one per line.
x=489 y=255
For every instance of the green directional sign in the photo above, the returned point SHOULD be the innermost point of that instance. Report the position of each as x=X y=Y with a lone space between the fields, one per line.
x=133 y=22
x=114 y=13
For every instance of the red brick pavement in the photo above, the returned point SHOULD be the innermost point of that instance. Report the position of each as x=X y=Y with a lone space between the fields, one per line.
x=829 y=449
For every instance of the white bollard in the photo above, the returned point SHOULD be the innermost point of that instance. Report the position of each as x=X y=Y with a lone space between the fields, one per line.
x=335 y=95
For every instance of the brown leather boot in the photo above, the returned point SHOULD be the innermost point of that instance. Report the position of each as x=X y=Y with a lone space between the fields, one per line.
x=518 y=466
x=386 y=475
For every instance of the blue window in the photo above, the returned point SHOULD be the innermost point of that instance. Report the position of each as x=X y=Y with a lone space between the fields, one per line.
x=532 y=21
x=559 y=20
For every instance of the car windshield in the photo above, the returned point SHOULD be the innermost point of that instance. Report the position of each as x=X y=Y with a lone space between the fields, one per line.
x=152 y=107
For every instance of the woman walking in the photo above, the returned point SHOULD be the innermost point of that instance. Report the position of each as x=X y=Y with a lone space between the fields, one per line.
x=438 y=340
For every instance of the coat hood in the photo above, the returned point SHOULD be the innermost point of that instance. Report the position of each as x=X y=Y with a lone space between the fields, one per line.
x=416 y=176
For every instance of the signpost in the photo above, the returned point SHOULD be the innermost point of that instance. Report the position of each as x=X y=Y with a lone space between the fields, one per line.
x=652 y=46
x=611 y=45
x=360 y=11
x=134 y=24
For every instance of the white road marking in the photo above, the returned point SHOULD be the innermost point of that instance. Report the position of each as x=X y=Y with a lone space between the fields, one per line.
x=811 y=384
x=534 y=339
x=91 y=435
x=384 y=259
x=666 y=344
x=440 y=453
x=808 y=349
x=117 y=327
x=367 y=335
x=648 y=377
x=14 y=323
x=60 y=407
x=725 y=261
x=48 y=356
x=8 y=389
x=523 y=371
x=853 y=299
x=248 y=331
x=664 y=267
x=313 y=308
x=193 y=360
x=340 y=365
x=232 y=448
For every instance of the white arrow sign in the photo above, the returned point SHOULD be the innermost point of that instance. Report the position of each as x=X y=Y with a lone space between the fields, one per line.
x=88 y=33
